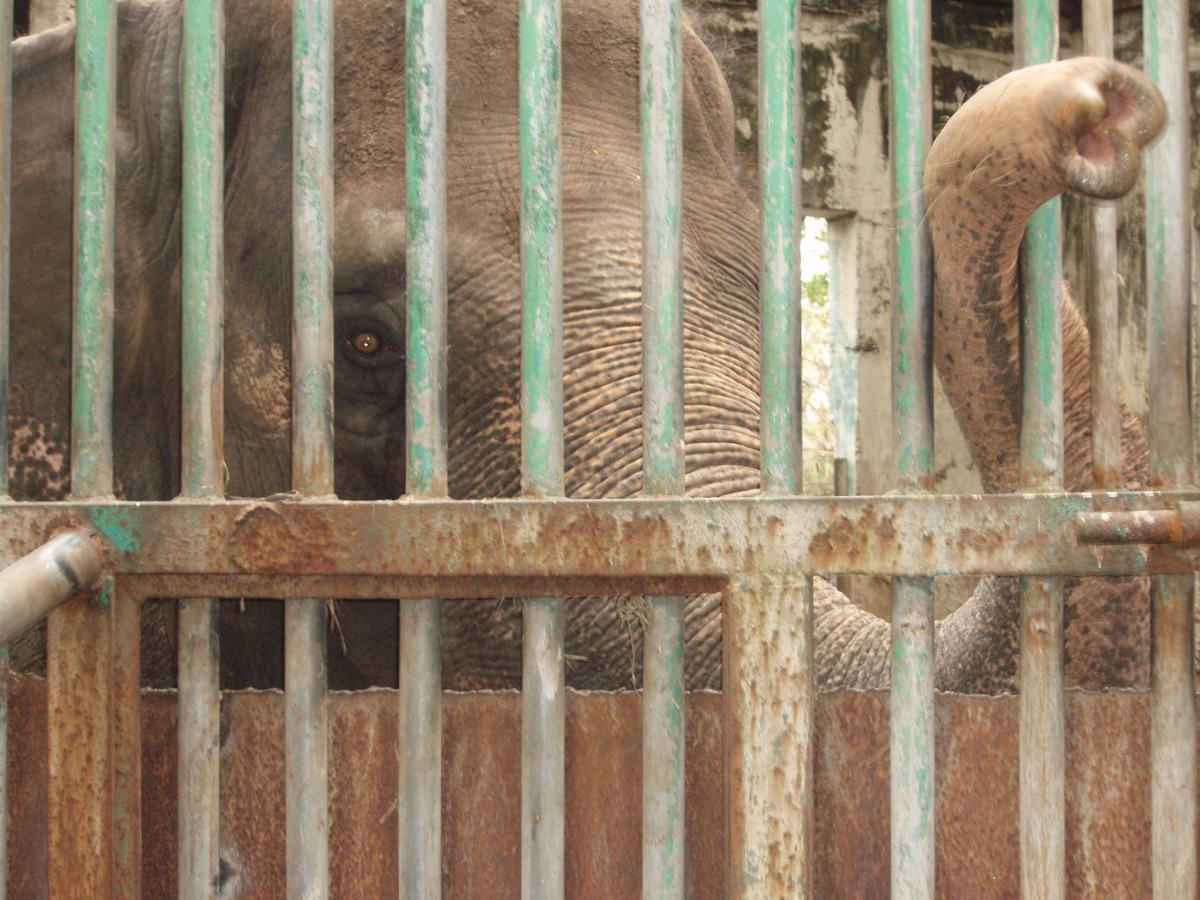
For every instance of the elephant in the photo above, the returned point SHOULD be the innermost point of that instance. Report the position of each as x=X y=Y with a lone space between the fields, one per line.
x=602 y=310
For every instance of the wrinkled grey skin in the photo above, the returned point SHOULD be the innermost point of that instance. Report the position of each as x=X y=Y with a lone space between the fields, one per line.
x=602 y=235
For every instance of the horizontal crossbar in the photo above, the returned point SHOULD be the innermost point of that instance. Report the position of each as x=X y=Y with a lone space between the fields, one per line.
x=474 y=548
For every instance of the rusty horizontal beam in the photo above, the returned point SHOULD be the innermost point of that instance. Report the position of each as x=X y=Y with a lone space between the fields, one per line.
x=667 y=543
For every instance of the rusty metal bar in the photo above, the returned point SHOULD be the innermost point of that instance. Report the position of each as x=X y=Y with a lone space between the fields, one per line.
x=420 y=802
x=1042 y=749
x=80 y=635
x=543 y=676
x=63 y=567
x=662 y=437
x=666 y=540
x=912 y=724
x=6 y=22
x=1168 y=264
x=307 y=716
x=203 y=396
x=1102 y=291
x=770 y=691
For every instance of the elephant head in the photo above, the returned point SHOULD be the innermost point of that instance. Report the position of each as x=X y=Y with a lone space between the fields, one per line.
x=602 y=303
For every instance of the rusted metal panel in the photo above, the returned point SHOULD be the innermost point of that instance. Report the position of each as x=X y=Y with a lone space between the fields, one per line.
x=1107 y=816
x=603 y=540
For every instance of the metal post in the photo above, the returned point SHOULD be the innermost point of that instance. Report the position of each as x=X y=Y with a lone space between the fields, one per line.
x=912 y=708
x=6 y=22
x=770 y=838
x=769 y=783
x=80 y=635
x=307 y=712
x=203 y=120
x=1168 y=258
x=663 y=438
x=542 y=682
x=420 y=620
x=1042 y=747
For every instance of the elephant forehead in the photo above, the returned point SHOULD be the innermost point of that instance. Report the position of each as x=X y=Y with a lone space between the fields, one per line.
x=368 y=236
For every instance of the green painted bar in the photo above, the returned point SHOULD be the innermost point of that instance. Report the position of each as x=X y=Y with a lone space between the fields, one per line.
x=912 y=722
x=203 y=122
x=779 y=167
x=542 y=710
x=662 y=437
x=1169 y=301
x=420 y=833
x=1042 y=714
x=307 y=714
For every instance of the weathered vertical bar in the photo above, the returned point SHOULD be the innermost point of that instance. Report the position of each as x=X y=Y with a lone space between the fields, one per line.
x=542 y=683
x=1042 y=747
x=307 y=713
x=6 y=22
x=1168 y=258
x=203 y=120
x=912 y=722
x=1102 y=291
x=663 y=437
x=769 y=757
x=770 y=688
x=81 y=634
x=420 y=632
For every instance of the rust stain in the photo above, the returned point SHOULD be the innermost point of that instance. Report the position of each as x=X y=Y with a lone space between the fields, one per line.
x=265 y=541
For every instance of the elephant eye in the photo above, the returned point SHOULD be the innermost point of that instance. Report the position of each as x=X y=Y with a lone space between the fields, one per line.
x=371 y=343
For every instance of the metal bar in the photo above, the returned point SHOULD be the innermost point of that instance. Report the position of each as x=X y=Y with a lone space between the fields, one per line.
x=6 y=22
x=1042 y=753
x=307 y=713
x=682 y=539
x=542 y=710
x=1168 y=275
x=420 y=852
x=4 y=811
x=1101 y=248
x=912 y=723
x=80 y=635
x=663 y=848
x=63 y=567
x=203 y=121
x=769 y=773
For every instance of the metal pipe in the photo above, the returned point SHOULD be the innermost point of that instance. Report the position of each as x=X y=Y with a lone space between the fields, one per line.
x=769 y=775
x=420 y=852
x=1101 y=246
x=1042 y=753
x=60 y=569
x=1168 y=276
x=542 y=710
x=307 y=713
x=912 y=714
x=663 y=849
x=203 y=396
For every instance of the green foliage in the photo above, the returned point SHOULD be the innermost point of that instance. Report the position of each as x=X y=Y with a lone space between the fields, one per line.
x=814 y=330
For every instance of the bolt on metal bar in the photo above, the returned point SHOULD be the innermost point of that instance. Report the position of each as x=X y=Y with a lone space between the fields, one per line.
x=203 y=122
x=420 y=854
x=542 y=683
x=1101 y=286
x=1168 y=275
x=663 y=850
x=770 y=809
x=307 y=712
x=1042 y=716
x=80 y=635
x=912 y=705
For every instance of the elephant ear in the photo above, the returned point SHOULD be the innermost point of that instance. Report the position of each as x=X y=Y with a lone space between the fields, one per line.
x=1116 y=116
x=712 y=105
